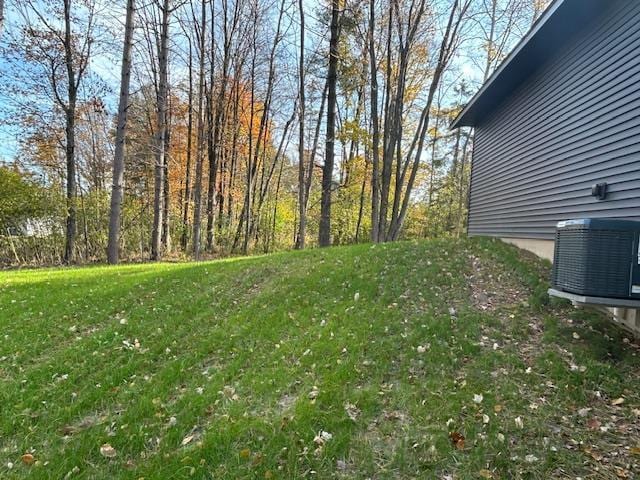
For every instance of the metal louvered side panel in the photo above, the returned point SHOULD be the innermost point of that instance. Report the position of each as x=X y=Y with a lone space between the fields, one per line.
x=593 y=262
x=569 y=267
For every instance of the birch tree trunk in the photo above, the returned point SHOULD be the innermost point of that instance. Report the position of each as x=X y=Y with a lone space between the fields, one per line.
x=118 y=158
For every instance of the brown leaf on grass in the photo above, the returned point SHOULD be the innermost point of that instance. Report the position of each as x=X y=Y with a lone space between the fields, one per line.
x=597 y=456
x=593 y=424
x=484 y=473
x=621 y=472
x=28 y=459
x=457 y=439
x=245 y=453
x=352 y=411
x=617 y=401
x=108 y=451
x=635 y=451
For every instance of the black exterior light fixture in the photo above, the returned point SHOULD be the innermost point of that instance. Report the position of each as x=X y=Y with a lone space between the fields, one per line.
x=599 y=190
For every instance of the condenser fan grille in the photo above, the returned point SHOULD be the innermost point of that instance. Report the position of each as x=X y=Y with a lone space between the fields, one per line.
x=593 y=262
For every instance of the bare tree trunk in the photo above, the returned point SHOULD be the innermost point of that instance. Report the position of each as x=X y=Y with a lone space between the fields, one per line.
x=463 y=186
x=118 y=158
x=214 y=137
x=187 y=179
x=385 y=181
x=314 y=149
x=229 y=31
x=70 y=132
x=375 y=126
x=248 y=198
x=166 y=193
x=1 y=16
x=197 y=189
x=324 y=237
x=362 y=195
x=302 y=224
x=160 y=146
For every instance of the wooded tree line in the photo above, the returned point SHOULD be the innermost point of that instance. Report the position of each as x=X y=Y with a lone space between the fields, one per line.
x=196 y=128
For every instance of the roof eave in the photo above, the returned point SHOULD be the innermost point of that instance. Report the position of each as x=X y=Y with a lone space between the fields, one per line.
x=559 y=21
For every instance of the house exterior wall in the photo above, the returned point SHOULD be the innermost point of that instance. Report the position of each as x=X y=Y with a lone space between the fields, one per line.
x=573 y=123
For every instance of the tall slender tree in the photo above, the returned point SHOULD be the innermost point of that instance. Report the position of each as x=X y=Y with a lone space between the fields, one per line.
x=187 y=177
x=118 y=158
x=324 y=236
x=302 y=210
x=161 y=131
x=197 y=188
x=375 y=126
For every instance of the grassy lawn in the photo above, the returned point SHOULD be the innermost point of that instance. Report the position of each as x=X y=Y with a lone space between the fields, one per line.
x=438 y=359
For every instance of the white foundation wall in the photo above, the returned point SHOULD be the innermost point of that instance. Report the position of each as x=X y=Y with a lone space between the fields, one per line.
x=542 y=248
x=627 y=317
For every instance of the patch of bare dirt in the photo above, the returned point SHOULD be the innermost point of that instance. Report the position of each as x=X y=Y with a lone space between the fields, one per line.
x=491 y=288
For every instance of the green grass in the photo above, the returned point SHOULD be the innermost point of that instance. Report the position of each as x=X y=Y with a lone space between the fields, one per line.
x=230 y=369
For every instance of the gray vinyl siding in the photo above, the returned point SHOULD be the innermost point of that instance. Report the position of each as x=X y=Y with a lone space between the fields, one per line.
x=574 y=123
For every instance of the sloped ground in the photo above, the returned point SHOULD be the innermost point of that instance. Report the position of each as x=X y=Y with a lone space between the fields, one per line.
x=438 y=359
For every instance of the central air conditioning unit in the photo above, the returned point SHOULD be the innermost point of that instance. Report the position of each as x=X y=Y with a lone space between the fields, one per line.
x=597 y=258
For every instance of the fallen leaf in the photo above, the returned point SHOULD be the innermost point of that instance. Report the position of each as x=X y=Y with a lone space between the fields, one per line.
x=245 y=453
x=322 y=437
x=621 y=472
x=352 y=411
x=108 y=451
x=497 y=408
x=593 y=424
x=28 y=459
x=617 y=401
x=593 y=454
x=635 y=450
x=484 y=473
x=186 y=440
x=519 y=422
x=457 y=439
